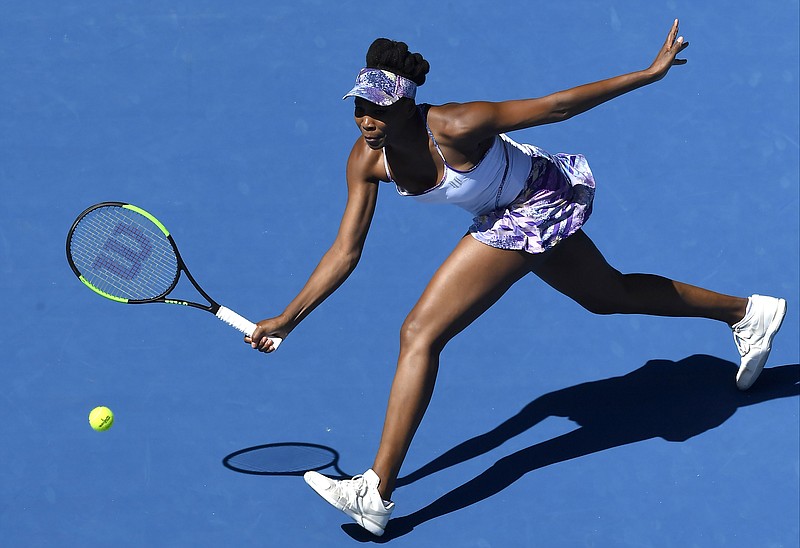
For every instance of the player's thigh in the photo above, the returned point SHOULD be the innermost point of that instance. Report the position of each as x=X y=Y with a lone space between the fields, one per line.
x=469 y=281
x=576 y=268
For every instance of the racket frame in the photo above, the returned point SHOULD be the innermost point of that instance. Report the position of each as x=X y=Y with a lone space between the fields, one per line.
x=225 y=314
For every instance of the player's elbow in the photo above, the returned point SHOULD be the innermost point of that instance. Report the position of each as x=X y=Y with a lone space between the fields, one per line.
x=545 y=110
x=351 y=259
x=560 y=108
x=348 y=256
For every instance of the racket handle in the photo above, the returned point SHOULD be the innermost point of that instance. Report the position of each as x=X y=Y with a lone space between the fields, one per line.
x=242 y=324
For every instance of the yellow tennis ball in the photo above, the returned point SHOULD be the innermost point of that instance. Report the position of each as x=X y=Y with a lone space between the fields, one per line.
x=101 y=418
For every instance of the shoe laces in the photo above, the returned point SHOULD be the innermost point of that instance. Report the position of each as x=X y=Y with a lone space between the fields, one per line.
x=353 y=489
x=741 y=344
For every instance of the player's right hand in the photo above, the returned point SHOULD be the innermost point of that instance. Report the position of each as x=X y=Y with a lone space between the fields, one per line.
x=270 y=327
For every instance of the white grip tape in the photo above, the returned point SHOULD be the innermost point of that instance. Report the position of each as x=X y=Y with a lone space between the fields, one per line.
x=242 y=324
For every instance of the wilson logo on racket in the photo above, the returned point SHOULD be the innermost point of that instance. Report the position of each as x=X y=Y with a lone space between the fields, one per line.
x=117 y=249
x=125 y=254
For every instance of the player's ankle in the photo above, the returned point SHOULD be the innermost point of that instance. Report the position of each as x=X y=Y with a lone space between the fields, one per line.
x=739 y=313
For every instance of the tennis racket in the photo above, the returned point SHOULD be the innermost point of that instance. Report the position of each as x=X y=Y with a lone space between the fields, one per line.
x=125 y=254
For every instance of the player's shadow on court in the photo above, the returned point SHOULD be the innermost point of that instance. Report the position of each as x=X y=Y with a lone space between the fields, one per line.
x=663 y=399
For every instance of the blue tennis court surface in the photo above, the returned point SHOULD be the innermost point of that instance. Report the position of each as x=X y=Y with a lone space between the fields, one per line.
x=549 y=426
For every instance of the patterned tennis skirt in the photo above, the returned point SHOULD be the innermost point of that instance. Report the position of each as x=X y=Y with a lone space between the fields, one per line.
x=555 y=203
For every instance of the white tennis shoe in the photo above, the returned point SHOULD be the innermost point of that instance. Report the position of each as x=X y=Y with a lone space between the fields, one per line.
x=358 y=498
x=753 y=336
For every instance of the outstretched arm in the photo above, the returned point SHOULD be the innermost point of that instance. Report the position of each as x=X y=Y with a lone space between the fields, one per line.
x=479 y=120
x=336 y=264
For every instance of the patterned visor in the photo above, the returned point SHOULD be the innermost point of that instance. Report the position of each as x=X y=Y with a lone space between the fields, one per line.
x=382 y=87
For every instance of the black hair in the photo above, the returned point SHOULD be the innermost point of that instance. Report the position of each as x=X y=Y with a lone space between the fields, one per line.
x=394 y=56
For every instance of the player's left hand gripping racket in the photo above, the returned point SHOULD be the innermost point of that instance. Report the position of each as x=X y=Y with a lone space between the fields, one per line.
x=125 y=254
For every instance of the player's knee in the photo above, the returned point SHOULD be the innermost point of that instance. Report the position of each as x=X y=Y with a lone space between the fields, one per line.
x=415 y=333
x=412 y=332
x=599 y=305
x=614 y=297
x=601 y=308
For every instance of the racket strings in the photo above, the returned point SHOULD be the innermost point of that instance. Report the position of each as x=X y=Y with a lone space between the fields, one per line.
x=124 y=254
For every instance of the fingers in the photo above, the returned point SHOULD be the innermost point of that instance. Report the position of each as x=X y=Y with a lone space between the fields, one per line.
x=264 y=344
x=669 y=43
x=679 y=46
x=260 y=341
x=673 y=32
x=676 y=45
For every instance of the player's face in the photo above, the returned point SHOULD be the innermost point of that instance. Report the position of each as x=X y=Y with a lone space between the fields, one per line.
x=376 y=122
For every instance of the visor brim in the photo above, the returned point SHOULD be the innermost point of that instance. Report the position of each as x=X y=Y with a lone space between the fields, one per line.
x=373 y=95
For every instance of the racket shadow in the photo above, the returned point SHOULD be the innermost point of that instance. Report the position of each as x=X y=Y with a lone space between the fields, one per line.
x=285 y=459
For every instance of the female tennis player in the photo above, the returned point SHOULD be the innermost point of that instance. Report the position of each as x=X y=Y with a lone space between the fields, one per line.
x=529 y=207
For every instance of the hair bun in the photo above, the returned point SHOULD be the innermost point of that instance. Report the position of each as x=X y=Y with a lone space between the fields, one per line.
x=394 y=56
